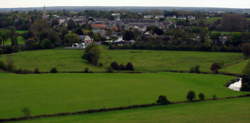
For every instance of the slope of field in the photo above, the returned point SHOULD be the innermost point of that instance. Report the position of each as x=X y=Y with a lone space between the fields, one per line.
x=52 y=93
x=236 y=68
x=63 y=60
x=143 y=60
x=226 y=111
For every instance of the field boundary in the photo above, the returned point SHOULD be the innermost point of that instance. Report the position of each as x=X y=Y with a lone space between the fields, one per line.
x=112 y=109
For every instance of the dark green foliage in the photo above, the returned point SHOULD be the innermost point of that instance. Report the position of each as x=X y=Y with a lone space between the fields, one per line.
x=2 y=65
x=122 y=67
x=36 y=71
x=92 y=54
x=214 y=97
x=191 y=96
x=26 y=112
x=46 y=44
x=201 y=96
x=114 y=65
x=130 y=66
x=110 y=70
x=195 y=69
x=246 y=49
x=162 y=100
x=86 y=70
x=246 y=78
x=53 y=70
x=215 y=67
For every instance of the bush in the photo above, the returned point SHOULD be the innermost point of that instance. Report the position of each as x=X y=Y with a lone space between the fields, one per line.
x=26 y=112
x=191 y=96
x=130 y=66
x=36 y=71
x=195 y=69
x=53 y=70
x=245 y=48
x=86 y=70
x=10 y=65
x=110 y=70
x=2 y=65
x=162 y=100
x=246 y=78
x=201 y=96
x=215 y=67
x=115 y=66
x=122 y=67
x=92 y=54
x=214 y=97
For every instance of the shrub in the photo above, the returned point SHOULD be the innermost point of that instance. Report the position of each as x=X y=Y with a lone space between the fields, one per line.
x=2 y=65
x=246 y=78
x=10 y=65
x=92 y=54
x=130 y=66
x=162 y=100
x=201 y=96
x=36 y=71
x=245 y=48
x=195 y=69
x=53 y=70
x=110 y=70
x=115 y=66
x=26 y=112
x=122 y=67
x=214 y=97
x=191 y=96
x=86 y=70
x=215 y=67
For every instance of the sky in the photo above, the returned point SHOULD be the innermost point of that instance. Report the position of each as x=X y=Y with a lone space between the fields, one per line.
x=174 y=3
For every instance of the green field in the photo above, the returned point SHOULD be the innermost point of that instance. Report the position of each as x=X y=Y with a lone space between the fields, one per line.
x=236 y=68
x=20 y=41
x=52 y=93
x=143 y=60
x=226 y=111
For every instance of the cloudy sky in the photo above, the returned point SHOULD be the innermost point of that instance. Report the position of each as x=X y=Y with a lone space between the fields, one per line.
x=179 y=3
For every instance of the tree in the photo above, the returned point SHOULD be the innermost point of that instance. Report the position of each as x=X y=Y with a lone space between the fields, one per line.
x=46 y=44
x=71 y=38
x=71 y=24
x=162 y=100
x=246 y=78
x=191 y=96
x=26 y=112
x=53 y=70
x=4 y=35
x=233 y=22
x=114 y=65
x=215 y=67
x=92 y=54
x=195 y=69
x=128 y=35
x=246 y=49
x=13 y=36
x=201 y=96
x=130 y=66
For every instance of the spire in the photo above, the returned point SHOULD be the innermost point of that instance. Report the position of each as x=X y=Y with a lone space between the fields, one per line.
x=44 y=10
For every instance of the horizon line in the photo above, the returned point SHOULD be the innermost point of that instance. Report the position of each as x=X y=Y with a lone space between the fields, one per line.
x=123 y=6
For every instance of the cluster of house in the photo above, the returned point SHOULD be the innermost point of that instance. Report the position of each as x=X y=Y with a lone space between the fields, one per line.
x=110 y=28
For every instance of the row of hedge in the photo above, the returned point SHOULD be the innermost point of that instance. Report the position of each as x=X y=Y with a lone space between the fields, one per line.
x=162 y=100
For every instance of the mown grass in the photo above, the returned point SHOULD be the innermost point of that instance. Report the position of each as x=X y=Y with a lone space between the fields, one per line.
x=222 y=111
x=52 y=93
x=143 y=60
x=236 y=68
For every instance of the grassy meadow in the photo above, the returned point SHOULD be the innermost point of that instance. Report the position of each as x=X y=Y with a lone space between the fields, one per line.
x=222 y=111
x=143 y=60
x=53 y=93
